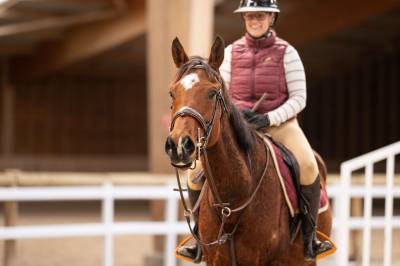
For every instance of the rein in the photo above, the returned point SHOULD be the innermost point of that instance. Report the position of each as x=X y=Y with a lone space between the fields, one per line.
x=201 y=149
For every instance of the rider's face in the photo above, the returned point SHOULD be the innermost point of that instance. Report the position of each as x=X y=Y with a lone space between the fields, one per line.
x=258 y=23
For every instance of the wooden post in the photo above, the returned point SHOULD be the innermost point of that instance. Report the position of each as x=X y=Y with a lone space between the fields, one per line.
x=7 y=96
x=10 y=208
x=10 y=219
x=192 y=22
x=201 y=27
x=356 y=236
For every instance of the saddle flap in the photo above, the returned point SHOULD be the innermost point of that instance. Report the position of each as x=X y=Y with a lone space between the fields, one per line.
x=289 y=176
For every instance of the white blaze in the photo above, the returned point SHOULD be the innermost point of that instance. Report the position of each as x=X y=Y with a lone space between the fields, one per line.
x=189 y=81
x=180 y=148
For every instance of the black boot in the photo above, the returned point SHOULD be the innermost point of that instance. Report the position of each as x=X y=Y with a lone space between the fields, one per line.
x=312 y=246
x=192 y=251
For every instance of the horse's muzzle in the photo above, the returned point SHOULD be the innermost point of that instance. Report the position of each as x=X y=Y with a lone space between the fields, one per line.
x=181 y=153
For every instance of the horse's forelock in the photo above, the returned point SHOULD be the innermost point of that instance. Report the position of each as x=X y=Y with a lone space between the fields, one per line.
x=197 y=62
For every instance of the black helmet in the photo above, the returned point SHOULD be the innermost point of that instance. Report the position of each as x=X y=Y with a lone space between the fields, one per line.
x=258 y=5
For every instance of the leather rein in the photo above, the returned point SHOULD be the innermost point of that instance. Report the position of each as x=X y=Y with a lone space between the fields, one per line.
x=201 y=149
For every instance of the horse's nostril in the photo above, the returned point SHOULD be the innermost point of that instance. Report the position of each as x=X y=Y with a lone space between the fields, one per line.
x=188 y=145
x=169 y=146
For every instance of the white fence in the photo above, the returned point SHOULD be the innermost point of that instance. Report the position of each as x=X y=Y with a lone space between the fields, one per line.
x=107 y=193
x=340 y=194
x=368 y=191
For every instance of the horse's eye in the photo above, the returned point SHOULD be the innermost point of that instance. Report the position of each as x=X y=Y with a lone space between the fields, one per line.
x=173 y=98
x=211 y=94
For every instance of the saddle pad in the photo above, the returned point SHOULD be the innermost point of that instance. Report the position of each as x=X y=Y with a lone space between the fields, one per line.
x=287 y=184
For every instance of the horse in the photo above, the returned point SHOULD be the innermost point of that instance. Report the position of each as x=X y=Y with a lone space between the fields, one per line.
x=243 y=216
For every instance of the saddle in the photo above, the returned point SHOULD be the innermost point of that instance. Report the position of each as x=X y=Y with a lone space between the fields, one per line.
x=288 y=171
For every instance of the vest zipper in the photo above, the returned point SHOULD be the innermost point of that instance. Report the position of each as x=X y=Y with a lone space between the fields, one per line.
x=253 y=89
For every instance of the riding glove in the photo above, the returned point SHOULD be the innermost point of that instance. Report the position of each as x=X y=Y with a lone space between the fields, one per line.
x=258 y=120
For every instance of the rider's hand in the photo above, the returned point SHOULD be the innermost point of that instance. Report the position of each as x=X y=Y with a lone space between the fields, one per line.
x=259 y=120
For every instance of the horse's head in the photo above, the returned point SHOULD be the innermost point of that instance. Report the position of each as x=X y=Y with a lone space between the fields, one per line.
x=198 y=103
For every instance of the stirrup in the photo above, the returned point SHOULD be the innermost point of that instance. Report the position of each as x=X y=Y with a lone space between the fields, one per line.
x=327 y=252
x=182 y=251
x=327 y=245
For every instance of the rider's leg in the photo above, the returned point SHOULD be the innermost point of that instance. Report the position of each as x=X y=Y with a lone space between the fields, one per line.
x=291 y=135
x=194 y=183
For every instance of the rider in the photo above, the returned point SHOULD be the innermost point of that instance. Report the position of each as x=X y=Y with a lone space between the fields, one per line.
x=259 y=63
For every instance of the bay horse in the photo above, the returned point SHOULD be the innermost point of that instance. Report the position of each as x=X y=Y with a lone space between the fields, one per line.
x=243 y=216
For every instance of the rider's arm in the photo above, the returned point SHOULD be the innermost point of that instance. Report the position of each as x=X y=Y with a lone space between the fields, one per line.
x=225 y=68
x=296 y=84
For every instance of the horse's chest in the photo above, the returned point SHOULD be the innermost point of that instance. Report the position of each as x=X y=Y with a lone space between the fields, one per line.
x=253 y=247
x=260 y=239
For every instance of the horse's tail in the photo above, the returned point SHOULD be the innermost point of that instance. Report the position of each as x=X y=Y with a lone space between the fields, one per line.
x=323 y=172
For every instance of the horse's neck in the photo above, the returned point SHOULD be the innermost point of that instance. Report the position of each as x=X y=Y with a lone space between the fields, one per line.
x=230 y=167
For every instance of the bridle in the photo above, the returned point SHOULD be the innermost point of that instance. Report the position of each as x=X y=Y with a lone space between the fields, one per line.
x=206 y=126
x=201 y=149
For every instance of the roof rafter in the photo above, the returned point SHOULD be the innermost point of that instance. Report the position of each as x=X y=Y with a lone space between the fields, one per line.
x=54 y=22
x=83 y=42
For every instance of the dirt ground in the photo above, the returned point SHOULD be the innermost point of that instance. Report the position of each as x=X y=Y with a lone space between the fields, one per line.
x=129 y=250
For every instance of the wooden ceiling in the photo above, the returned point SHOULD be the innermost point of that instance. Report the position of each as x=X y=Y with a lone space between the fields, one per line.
x=24 y=24
x=107 y=37
x=40 y=36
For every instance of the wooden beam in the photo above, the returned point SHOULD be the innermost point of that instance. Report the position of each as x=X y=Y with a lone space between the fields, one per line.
x=18 y=15
x=8 y=4
x=10 y=219
x=44 y=179
x=8 y=99
x=201 y=27
x=75 y=163
x=81 y=43
x=62 y=6
x=54 y=23
x=307 y=21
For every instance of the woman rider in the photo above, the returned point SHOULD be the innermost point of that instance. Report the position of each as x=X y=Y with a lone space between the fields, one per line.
x=259 y=63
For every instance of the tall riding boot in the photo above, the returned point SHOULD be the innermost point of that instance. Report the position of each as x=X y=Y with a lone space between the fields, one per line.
x=193 y=251
x=312 y=246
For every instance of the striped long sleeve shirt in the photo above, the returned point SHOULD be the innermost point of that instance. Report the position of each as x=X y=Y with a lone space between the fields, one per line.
x=296 y=84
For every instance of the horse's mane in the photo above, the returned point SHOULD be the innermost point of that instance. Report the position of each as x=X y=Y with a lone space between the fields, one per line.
x=244 y=134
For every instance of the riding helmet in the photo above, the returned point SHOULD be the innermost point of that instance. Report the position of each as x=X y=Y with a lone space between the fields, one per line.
x=258 y=5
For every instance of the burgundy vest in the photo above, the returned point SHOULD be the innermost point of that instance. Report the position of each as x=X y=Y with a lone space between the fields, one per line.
x=257 y=68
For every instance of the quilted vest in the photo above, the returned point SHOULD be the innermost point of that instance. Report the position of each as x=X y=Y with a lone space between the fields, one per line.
x=257 y=67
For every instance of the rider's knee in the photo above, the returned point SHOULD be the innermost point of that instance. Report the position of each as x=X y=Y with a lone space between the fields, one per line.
x=308 y=172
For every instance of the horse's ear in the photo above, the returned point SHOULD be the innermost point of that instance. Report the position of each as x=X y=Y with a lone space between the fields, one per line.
x=178 y=53
x=217 y=53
